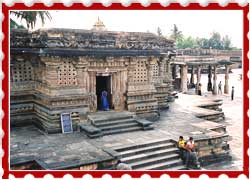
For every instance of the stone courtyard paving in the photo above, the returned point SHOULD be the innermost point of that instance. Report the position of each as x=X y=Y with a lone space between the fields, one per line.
x=178 y=120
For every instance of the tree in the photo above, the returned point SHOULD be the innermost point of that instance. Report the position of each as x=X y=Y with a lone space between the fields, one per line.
x=13 y=24
x=184 y=43
x=159 y=31
x=202 y=43
x=176 y=34
x=226 y=43
x=215 y=41
x=30 y=17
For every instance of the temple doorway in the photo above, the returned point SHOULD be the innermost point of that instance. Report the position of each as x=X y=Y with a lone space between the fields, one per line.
x=103 y=83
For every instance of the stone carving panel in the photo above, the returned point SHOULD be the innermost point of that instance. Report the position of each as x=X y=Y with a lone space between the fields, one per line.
x=67 y=74
x=155 y=70
x=22 y=71
x=140 y=72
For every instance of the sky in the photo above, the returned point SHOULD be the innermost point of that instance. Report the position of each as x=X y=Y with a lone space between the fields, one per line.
x=196 y=23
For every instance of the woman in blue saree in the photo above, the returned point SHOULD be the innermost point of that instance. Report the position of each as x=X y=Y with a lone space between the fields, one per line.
x=105 y=103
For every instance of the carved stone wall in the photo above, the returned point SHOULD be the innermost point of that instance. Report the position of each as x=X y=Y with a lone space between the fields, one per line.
x=60 y=74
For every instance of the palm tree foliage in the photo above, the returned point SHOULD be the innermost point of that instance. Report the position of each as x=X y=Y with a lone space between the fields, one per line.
x=30 y=17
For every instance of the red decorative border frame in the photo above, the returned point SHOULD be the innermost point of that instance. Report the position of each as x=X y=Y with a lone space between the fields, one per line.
x=117 y=174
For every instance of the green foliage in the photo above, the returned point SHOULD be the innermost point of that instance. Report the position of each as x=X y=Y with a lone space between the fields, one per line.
x=214 y=42
x=13 y=24
x=31 y=17
x=183 y=43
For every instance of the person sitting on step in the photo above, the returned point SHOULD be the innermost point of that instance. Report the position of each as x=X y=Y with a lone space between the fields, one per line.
x=181 y=146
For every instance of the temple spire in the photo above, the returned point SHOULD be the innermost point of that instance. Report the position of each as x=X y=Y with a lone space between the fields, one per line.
x=99 y=25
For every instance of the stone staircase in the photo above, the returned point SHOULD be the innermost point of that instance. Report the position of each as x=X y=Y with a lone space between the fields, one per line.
x=155 y=155
x=111 y=122
x=211 y=110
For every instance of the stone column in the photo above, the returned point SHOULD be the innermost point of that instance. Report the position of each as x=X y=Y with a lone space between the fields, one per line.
x=192 y=76
x=226 y=87
x=81 y=75
x=150 y=71
x=198 y=77
x=131 y=67
x=209 y=84
x=174 y=72
x=51 y=74
x=169 y=71
x=184 y=78
x=161 y=68
x=215 y=78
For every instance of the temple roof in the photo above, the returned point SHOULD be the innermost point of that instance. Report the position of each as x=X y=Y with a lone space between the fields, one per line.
x=90 y=41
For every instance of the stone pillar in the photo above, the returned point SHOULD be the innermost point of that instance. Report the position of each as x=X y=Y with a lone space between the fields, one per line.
x=209 y=84
x=150 y=71
x=192 y=76
x=81 y=75
x=226 y=87
x=198 y=77
x=174 y=71
x=169 y=71
x=131 y=67
x=161 y=68
x=215 y=78
x=51 y=74
x=184 y=78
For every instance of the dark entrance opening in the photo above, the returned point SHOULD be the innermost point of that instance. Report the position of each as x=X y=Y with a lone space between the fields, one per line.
x=103 y=83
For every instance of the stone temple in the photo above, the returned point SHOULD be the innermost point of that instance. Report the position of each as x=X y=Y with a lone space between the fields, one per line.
x=60 y=73
x=54 y=71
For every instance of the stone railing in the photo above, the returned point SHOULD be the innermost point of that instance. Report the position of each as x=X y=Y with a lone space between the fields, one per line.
x=209 y=52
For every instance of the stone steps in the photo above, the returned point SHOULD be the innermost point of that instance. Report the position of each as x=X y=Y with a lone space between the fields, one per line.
x=138 y=157
x=173 y=165
x=117 y=131
x=154 y=155
x=120 y=126
x=146 y=149
x=111 y=123
x=102 y=117
x=154 y=160
x=148 y=143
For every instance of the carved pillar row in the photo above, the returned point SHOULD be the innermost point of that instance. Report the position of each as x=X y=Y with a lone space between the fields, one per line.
x=215 y=79
x=184 y=78
x=226 y=86
x=209 y=84
x=198 y=77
